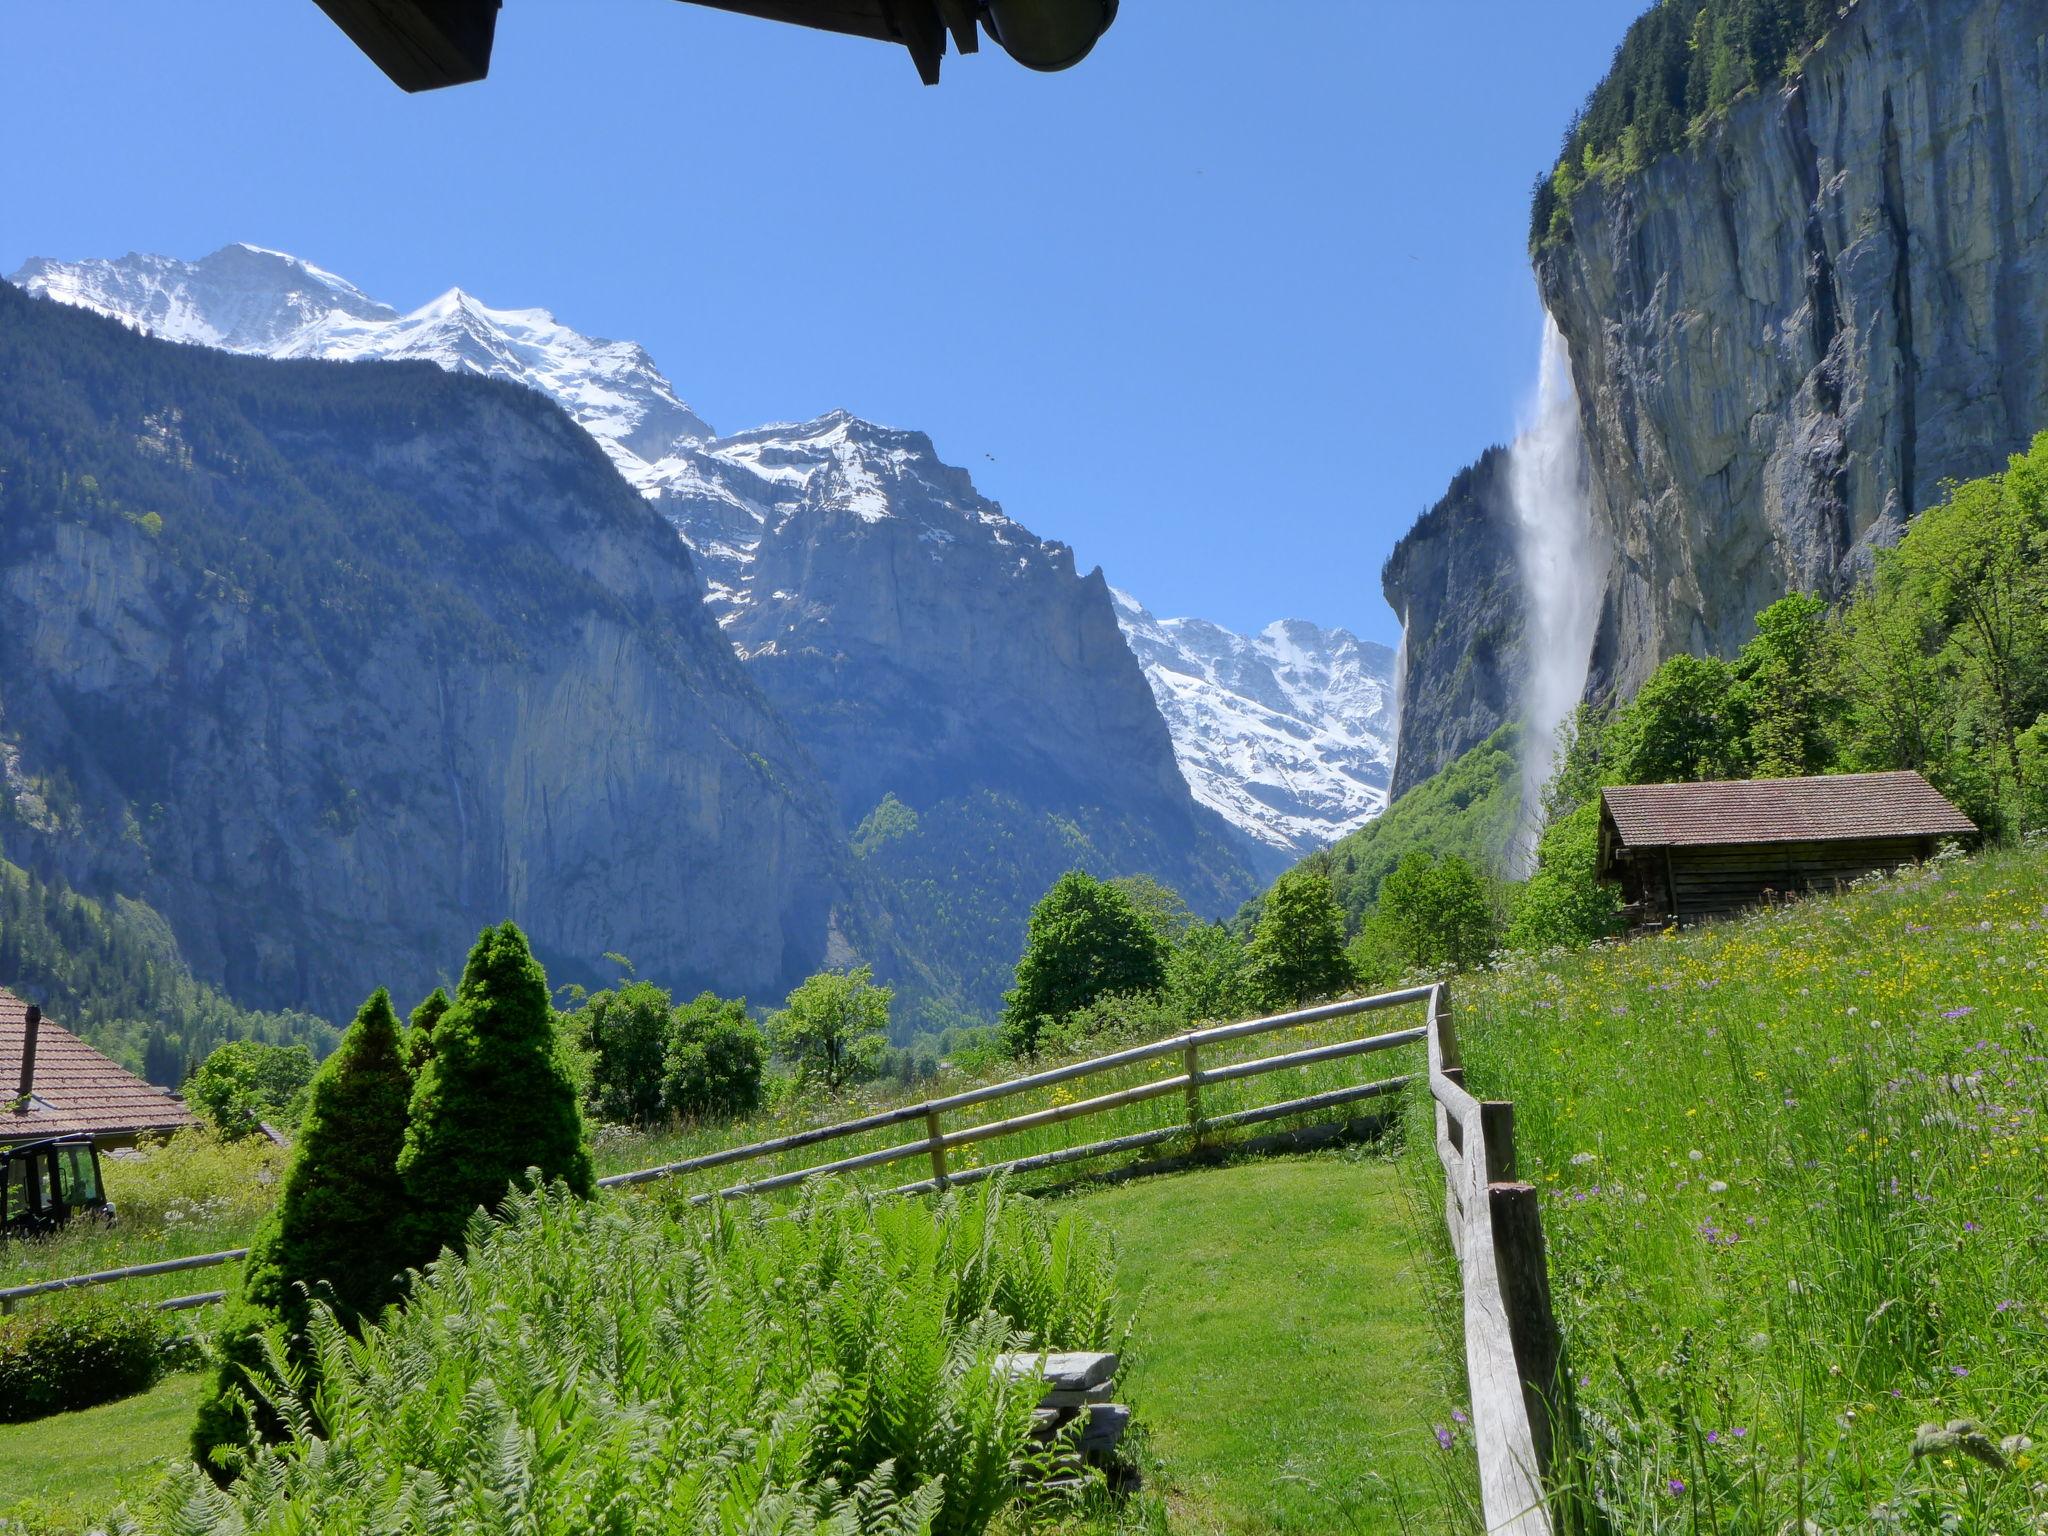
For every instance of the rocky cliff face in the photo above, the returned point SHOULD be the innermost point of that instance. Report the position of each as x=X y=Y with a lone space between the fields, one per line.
x=1786 y=336
x=335 y=664
x=1456 y=581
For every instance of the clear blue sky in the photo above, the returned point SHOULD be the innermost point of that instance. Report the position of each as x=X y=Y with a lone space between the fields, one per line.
x=1227 y=304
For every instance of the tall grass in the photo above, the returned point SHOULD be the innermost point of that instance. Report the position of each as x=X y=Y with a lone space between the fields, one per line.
x=1795 y=1178
x=190 y=1194
x=598 y=1367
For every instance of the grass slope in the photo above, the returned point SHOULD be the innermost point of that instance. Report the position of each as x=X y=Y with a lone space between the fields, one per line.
x=62 y=1474
x=1794 y=1197
x=1284 y=1366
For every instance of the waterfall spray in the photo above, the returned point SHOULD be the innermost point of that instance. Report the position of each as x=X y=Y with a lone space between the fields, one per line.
x=1548 y=480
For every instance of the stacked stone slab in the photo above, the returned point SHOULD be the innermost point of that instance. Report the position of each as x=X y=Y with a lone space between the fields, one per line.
x=1078 y=1385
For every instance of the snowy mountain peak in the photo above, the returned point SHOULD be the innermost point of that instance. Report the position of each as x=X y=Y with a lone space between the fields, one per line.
x=1288 y=733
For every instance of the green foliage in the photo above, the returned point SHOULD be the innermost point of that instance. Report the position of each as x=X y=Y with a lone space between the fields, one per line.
x=627 y=1033
x=1784 y=698
x=342 y=1227
x=833 y=1026
x=887 y=822
x=1564 y=903
x=600 y=1367
x=1433 y=914
x=1470 y=808
x=493 y=1099
x=1085 y=940
x=245 y=1083
x=1164 y=909
x=1297 y=954
x=1684 y=724
x=110 y=972
x=419 y=1032
x=1208 y=977
x=76 y=1352
x=1677 y=64
x=715 y=1056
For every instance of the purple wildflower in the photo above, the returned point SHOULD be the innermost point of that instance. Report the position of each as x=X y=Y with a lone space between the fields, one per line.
x=1957 y=1013
x=1676 y=1485
x=1443 y=1437
x=1458 y=1414
x=1739 y=1432
x=1960 y=1370
x=1713 y=1437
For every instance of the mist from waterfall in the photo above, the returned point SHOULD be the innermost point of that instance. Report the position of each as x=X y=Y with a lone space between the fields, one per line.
x=1548 y=480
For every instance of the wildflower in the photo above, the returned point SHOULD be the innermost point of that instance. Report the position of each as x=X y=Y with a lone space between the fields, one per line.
x=1713 y=1437
x=1957 y=1013
x=1443 y=1437
x=1960 y=1370
x=1676 y=1485
x=1739 y=1432
x=1718 y=1187
x=1459 y=1415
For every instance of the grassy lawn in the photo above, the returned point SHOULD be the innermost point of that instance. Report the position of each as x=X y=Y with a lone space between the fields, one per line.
x=1283 y=1364
x=1794 y=1199
x=58 y=1474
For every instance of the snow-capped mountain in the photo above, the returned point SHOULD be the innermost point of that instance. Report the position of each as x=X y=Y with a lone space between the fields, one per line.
x=1286 y=734
x=1289 y=733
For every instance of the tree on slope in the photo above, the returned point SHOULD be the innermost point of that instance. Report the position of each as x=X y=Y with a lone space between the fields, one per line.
x=626 y=1030
x=494 y=1098
x=834 y=1026
x=339 y=1229
x=1297 y=953
x=1085 y=940
x=712 y=1070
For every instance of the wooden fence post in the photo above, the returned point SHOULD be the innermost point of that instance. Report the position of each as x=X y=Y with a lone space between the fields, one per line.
x=1191 y=1057
x=938 y=1145
x=1497 y=1130
x=1521 y=1264
x=1447 y=1034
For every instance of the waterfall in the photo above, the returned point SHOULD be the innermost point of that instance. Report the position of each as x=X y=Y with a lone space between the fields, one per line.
x=1561 y=572
x=1400 y=699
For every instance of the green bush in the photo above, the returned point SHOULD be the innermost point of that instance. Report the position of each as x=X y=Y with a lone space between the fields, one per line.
x=712 y=1070
x=78 y=1352
x=626 y=1030
x=604 y=1366
x=834 y=1027
x=244 y=1083
x=1297 y=954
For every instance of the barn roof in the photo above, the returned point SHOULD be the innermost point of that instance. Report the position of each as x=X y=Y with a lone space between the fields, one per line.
x=76 y=1090
x=1835 y=808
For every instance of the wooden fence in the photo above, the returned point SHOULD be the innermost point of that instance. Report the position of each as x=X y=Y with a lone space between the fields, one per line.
x=1511 y=1344
x=1511 y=1341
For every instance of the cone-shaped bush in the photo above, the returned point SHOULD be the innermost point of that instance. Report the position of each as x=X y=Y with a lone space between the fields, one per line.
x=341 y=1224
x=493 y=1099
x=419 y=1039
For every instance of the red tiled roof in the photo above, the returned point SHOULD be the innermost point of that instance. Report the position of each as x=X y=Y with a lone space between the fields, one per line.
x=76 y=1088
x=1835 y=808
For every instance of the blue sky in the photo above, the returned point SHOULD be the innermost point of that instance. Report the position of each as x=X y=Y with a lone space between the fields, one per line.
x=1224 y=307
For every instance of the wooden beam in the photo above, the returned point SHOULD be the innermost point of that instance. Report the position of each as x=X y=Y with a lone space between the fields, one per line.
x=422 y=45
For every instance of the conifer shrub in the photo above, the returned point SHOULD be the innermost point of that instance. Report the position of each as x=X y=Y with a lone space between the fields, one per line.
x=493 y=1099
x=419 y=1034
x=340 y=1228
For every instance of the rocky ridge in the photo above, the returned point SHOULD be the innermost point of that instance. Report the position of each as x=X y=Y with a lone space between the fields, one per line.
x=781 y=517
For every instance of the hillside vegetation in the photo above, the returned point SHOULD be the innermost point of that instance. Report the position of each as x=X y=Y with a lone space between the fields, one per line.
x=1791 y=1170
x=111 y=972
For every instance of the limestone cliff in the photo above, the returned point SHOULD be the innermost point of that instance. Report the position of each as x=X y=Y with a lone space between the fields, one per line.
x=1456 y=583
x=1787 y=334
x=335 y=663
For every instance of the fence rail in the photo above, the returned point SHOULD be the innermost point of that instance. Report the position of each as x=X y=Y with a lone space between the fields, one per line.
x=1511 y=1341
x=937 y=1141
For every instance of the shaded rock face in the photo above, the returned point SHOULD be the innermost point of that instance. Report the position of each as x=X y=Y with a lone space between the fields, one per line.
x=1786 y=336
x=924 y=645
x=1456 y=581
x=399 y=656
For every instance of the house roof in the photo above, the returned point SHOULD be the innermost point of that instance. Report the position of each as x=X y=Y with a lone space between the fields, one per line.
x=76 y=1089
x=1835 y=808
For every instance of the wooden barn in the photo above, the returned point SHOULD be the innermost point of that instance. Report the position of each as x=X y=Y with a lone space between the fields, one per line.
x=1683 y=852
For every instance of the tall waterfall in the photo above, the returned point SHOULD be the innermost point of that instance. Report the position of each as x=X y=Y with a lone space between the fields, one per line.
x=1561 y=572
